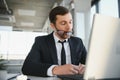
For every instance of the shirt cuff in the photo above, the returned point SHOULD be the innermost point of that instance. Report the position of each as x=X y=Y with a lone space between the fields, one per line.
x=49 y=71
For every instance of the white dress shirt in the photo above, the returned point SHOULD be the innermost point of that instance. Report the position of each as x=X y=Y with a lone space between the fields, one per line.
x=59 y=47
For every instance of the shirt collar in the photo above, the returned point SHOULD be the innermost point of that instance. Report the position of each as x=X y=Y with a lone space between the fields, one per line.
x=57 y=39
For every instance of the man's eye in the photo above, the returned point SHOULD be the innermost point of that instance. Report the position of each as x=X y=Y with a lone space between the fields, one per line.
x=70 y=22
x=63 y=23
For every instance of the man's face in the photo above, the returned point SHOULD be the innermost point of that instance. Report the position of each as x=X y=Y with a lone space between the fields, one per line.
x=63 y=23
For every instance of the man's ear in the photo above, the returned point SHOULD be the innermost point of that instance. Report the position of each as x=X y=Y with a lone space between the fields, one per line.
x=52 y=26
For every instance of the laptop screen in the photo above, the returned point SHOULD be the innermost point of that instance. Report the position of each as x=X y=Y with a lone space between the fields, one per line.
x=103 y=60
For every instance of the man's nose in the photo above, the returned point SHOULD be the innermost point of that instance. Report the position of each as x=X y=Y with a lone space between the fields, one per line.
x=69 y=27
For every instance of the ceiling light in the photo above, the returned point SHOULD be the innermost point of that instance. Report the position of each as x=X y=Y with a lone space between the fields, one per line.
x=24 y=12
x=27 y=24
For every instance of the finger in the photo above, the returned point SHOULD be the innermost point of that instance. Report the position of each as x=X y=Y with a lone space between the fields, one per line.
x=81 y=69
x=76 y=67
x=74 y=71
x=81 y=66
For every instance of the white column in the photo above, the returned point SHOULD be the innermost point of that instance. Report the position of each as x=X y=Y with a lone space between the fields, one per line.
x=82 y=19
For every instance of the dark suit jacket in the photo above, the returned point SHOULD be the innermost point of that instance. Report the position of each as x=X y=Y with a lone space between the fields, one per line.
x=43 y=54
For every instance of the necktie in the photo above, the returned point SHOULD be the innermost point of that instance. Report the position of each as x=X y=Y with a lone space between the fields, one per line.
x=63 y=55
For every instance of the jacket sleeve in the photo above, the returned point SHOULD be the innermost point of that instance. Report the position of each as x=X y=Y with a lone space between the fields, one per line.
x=33 y=65
x=82 y=52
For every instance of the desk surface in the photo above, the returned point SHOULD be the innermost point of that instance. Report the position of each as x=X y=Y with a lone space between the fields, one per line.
x=24 y=77
x=43 y=78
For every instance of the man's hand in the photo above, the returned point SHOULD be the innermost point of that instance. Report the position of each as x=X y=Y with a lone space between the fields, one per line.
x=81 y=68
x=66 y=69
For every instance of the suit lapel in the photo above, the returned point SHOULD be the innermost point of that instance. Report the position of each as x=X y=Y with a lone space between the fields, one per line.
x=72 y=50
x=52 y=48
x=53 y=51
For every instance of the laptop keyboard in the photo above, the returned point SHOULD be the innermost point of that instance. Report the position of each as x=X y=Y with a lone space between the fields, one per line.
x=71 y=77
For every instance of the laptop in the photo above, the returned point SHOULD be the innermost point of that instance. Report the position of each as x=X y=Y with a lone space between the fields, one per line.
x=103 y=59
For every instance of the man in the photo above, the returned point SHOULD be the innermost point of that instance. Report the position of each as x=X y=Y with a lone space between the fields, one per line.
x=45 y=57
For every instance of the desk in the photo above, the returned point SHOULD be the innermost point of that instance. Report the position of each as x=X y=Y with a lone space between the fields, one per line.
x=42 y=78
x=24 y=77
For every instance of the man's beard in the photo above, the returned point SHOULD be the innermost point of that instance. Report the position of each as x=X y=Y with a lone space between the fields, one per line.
x=64 y=34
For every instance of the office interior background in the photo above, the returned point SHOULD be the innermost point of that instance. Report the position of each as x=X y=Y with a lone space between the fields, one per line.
x=22 y=20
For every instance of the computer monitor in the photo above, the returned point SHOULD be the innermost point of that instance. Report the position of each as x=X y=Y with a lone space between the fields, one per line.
x=103 y=60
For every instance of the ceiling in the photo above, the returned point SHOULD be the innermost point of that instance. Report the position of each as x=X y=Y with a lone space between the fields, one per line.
x=26 y=15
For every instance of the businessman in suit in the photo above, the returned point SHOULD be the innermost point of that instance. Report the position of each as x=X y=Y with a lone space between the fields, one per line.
x=45 y=58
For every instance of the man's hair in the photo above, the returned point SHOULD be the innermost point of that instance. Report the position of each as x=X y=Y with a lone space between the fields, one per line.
x=59 y=10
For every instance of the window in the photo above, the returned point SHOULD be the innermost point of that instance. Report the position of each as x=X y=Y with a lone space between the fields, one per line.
x=109 y=7
x=16 y=45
